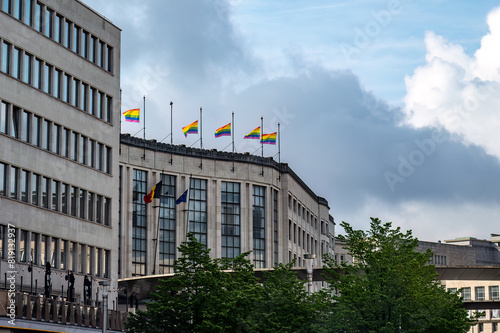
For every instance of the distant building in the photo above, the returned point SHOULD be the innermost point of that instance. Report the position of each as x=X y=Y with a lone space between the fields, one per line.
x=235 y=203
x=59 y=139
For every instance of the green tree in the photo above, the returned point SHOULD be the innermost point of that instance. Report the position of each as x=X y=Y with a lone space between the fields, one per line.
x=390 y=287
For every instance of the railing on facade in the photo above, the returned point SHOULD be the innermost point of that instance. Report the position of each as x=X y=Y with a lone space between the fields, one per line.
x=59 y=311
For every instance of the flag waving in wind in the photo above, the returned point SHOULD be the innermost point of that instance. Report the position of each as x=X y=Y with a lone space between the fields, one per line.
x=132 y=115
x=182 y=198
x=223 y=131
x=269 y=139
x=255 y=134
x=190 y=129
x=155 y=193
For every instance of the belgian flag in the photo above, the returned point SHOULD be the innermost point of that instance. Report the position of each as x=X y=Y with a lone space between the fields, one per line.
x=155 y=193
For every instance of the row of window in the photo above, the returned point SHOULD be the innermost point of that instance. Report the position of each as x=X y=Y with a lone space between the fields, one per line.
x=302 y=238
x=53 y=81
x=61 y=254
x=302 y=211
x=58 y=28
x=480 y=293
x=38 y=190
x=43 y=133
x=197 y=218
x=438 y=260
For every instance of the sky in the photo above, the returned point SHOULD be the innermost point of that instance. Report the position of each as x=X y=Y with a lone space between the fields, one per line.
x=387 y=109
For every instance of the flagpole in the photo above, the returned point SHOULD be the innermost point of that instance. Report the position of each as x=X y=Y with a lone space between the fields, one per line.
x=201 y=135
x=279 y=151
x=171 y=129
x=232 y=137
x=120 y=118
x=144 y=127
x=262 y=143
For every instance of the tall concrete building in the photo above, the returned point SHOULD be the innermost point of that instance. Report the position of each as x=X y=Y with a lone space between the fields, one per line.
x=59 y=139
x=235 y=203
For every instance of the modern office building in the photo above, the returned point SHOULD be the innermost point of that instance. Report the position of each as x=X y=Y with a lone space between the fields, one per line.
x=235 y=203
x=59 y=139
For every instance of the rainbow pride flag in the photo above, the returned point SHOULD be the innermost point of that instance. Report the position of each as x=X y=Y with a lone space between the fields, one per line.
x=255 y=134
x=269 y=139
x=132 y=115
x=223 y=131
x=190 y=129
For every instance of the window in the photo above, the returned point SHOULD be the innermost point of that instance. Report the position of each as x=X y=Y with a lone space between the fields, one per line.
x=3 y=177
x=90 y=206
x=65 y=190
x=109 y=108
x=24 y=185
x=100 y=103
x=74 y=146
x=109 y=59
x=73 y=200
x=480 y=295
x=65 y=139
x=494 y=295
x=67 y=88
x=55 y=195
x=139 y=223
x=16 y=116
x=85 y=40
x=56 y=135
x=230 y=202
x=107 y=160
x=494 y=326
x=23 y=245
x=17 y=9
x=37 y=79
x=83 y=149
x=4 y=117
x=46 y=135
x=57 y=28
x=7 y=6
x=38 y=17
x=91 y=106
x=37 y=125
x=83 y=94
x=167 y=229
x=14 y=173
x=259 y=226
x=45 y=192
x=47 y=87
x=466 y=294
x=27 y=68
x=67 y=34
x=6 y=57
x=49 y=14
x=198 y=209
x=26 y=126
x=35 y=180
x=28 y=12
x=83 y=199
x=76 y=93
x=16 y=63
x=100 y=54
x=93 y=42
x=99 y=203
x=57 y=83
x=107 y=211
x=91 y=155
x=76 y=39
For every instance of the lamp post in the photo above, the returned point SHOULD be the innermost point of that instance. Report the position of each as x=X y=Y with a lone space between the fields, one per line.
x=310 y=258
x=105 y=286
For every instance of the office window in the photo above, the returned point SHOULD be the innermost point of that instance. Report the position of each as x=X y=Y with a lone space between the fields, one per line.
x=91 y=106
x=107 y=160
x=57 y=83
x=466 y=294
x=98 y=210
x=65 y=139
x=67 y=34
x=3 y=236
x=88 y=267
x=74 y=146
x=7 y=6
x=14 y=173
x=100 y=54
x=100 y=103
x=17 y=9
x=167 y=229
x=3 y=179
x=198 y=209
x=139 y=223
x=109 y=59
x=105 y=263
x=76 y=93
x=85 y=40
x=27 y=68
x=53 y=252
x=494 y=326
x=49 y=14
x=480 y=294
x=76 y=39
x=109 y=108
x=73 y=207
x=28 y=12
x=16 y=63
x=65 y=192
x=46 y=135
x=47 y=87
x=34 y=256
x=38 y=18
x=83 y=199
x=58 y=28
x=45 y=192
x=90 y=206
x=92 y=52
x=230 y=226
x=83 y=149
x=15 y=123
x=84 y=92
x=23 y=242
x=99 y=154
x=494 y=295
x=4 y=117
x=37 y=79
x=37 y=126
x=56 y=135
x=91 y=155
x=107 y=211
x=495 y=313
x=259 y=226
x=35 y=181
x=25 y=189
x=26 y=126
x=55 y=195
x=97 y=261
x=298 y=237
x=6 y=57
x=67 y=88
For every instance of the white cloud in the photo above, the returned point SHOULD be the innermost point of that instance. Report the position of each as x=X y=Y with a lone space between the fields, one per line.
x=457 y=92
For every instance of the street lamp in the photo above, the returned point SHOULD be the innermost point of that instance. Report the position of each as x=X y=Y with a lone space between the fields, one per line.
x=105 y=287
x=309 y=261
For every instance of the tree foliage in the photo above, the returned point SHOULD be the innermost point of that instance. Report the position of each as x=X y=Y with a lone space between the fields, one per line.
x=204 y=297
x=390 y=287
